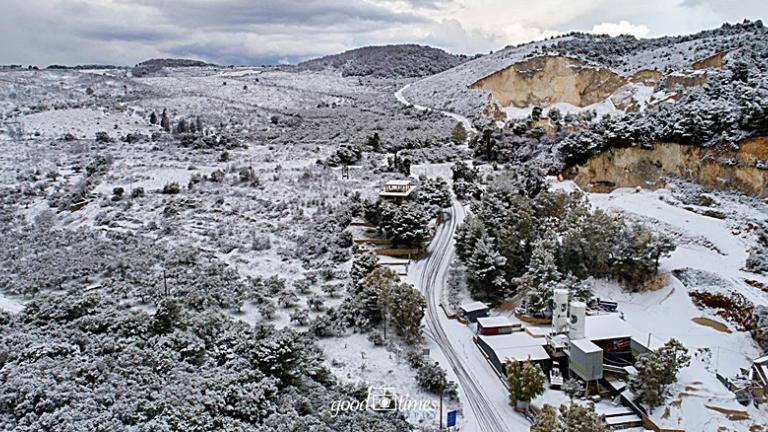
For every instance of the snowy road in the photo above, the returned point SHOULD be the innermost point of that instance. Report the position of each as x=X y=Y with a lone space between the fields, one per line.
x=484 y=397
x=465 y=121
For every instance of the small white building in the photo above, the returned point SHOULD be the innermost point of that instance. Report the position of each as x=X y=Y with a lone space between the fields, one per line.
x=397 y=190
x=496 y=325
x=472 y=311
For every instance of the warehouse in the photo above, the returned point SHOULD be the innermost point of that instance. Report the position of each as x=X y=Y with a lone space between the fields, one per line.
x=520 y=346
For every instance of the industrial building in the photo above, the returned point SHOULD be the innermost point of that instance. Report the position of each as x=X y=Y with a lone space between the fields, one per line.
x=520 y=346
x=575 y=344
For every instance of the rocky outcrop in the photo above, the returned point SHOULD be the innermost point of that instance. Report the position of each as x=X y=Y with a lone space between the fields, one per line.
x=715 y=168
x=547 y=80
x=716 y=61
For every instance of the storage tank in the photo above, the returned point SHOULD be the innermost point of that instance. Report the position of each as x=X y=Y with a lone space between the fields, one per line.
x=560 y=311
x=578 y=317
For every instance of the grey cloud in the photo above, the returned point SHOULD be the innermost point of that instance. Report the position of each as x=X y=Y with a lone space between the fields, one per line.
x=238 y=14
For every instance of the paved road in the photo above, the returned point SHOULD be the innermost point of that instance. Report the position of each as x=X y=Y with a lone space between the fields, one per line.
x=484 y=396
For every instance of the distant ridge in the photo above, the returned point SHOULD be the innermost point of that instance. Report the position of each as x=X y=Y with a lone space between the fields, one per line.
x=389 y=61
x=151 y=66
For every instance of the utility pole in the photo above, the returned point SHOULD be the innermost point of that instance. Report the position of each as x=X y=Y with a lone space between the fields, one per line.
x=442 y=389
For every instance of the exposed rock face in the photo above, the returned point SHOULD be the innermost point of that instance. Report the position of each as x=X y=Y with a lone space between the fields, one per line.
x=547 y=80
x=713 y=61
x=715 y=168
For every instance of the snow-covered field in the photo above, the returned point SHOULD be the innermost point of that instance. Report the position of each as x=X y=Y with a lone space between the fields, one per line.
x=668 y=312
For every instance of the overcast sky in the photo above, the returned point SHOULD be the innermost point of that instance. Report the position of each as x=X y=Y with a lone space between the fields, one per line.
x=253 y=32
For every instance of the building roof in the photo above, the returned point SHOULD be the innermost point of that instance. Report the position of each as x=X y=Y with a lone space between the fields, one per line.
x=585 y=346
x=512 y=340
x=534 y=353
x=473 y=307
x=602 y=327
x=398 y=183
x=538 y=332
x=494 y=322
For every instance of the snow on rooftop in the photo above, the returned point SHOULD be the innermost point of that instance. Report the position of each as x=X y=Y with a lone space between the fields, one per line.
x=494 y=322
x=398 y=183
x=511 y=340
x=533 y=353
x=516 y=346
x=473 y=307
x=602 y=327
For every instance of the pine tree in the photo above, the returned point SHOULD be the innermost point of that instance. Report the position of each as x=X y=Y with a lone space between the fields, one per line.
x=525 y=380
x=532 y=380
x=579 y=418
x=542 y=277
x=406 y=305
x=542 y=267
x=362 y=265
x=374 y=142
x=434 y=194
x=406 y=225
x=513 y=371
x=182 y=126
x=199 y=125
x=467 y=236
x=164 y=122
x=377 y=293
x=657 y=370
x=486 y=268
x=459 y=133
x=546 y=420
x=153 y=118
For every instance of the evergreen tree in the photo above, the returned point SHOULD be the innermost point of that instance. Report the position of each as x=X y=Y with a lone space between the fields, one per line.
x=182 y=126
x=459 y=133
x=153 y=118
x=405 y=225
x=375 y=299
x=374 y=142
x=542 y=267
x=532 y=380
x=525 y=380
x=636 y=254
x=485 y=269
x=546 y=420
x=406 y=306
x=657 y=370
x=168 y=316
x=587 y=240
x=467 y=236
x=434 y=194
x=579 y=418
x=362 y=265
x=513 y=370
x=199 y=125
x=164 y=122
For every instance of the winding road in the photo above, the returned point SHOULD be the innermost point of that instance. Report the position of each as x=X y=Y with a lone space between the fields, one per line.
x=484 y=397
x=459 y=118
